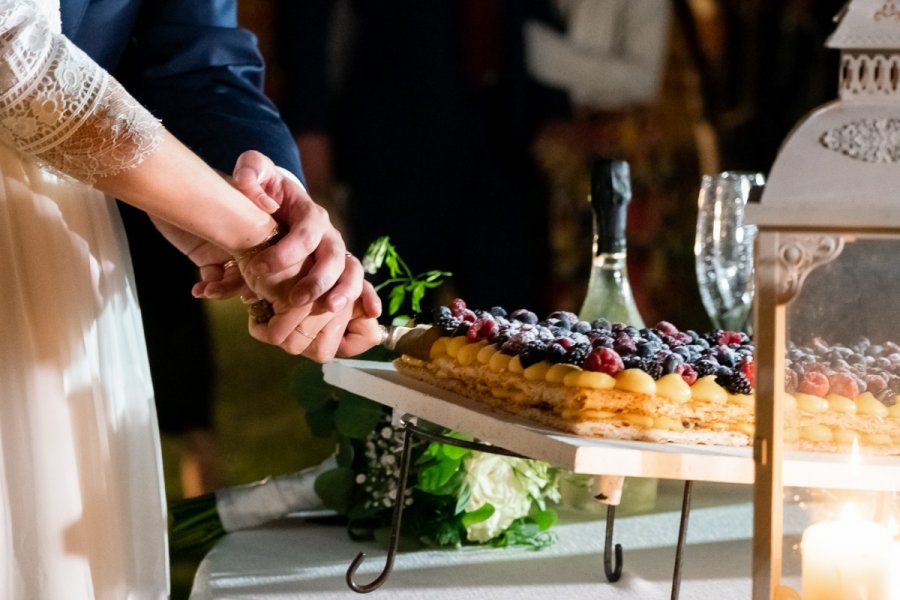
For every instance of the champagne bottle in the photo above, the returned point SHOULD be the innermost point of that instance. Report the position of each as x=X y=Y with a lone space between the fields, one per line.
x=609 y=293
x=609 y=297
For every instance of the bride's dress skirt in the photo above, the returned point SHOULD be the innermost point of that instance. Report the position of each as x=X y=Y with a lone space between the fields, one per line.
x=82 y=509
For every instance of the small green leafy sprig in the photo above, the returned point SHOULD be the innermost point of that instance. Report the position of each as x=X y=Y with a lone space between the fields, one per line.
x=382 y=252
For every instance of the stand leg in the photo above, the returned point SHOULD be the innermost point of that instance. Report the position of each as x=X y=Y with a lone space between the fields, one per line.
x=682 y=537
x=613 y=571
x=395 y=527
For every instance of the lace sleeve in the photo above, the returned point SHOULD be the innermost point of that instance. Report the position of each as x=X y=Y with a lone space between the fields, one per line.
x=60 y=107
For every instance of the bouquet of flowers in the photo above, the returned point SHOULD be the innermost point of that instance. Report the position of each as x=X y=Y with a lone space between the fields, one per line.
x=453 y=495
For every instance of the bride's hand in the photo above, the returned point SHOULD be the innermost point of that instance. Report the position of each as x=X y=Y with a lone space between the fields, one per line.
x=216 y=280
x=319 y=334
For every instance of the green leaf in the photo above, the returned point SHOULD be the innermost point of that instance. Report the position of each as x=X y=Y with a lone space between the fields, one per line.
x=454 y=452
x=478 y=515
x=346 y=452
x=356 y=416
x=335 y=488
x=436 y=476
x=545 y=519
x=417 y=292
x=392 y=260
x=398 y=295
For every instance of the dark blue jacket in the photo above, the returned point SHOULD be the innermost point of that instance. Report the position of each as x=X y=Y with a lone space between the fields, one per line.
x=192 y=66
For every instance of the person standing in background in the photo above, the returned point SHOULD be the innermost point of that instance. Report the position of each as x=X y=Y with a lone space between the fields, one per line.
x=427 y=113
x=613 y=60
x=194 y=68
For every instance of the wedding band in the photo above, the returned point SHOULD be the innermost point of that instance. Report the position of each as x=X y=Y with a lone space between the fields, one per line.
x=229 y=264
x=303 y=333
x=261 y=311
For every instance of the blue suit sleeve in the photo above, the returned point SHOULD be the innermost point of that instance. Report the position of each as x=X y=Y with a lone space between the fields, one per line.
x=202 y=75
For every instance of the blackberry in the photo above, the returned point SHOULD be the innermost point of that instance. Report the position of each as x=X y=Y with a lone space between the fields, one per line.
x=737 y=384
x=577 y=354
x=705 y=367
x=651 y=367
x=632 y=361
x=462 y=328
x=447 y=323
x=723 y=376
x=532 y=354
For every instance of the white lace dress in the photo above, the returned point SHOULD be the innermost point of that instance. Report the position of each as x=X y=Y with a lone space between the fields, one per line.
x=82 y=511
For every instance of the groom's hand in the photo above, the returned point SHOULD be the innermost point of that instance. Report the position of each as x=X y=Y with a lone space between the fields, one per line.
x=332 y=275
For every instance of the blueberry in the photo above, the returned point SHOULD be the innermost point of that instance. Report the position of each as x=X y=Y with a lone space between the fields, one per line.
x=645 y=349
x=524 y=316
x=498 y=311
x=581 y=327
x=670 y=362
x=601 y=325
x=725 y=356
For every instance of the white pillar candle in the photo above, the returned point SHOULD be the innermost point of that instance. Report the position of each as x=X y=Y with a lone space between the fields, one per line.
x=847 y=560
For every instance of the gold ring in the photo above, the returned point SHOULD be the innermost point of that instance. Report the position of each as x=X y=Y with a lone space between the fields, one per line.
x=304 y=334
x=228 y=264
x=261 y=311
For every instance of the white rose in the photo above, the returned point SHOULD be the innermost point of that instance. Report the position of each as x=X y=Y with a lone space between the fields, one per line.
x=492 y=479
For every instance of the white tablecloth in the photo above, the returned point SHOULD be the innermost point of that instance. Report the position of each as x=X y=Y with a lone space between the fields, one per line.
x=294 y=558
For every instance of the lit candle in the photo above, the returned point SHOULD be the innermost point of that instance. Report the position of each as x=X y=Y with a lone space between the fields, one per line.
x=847 y=560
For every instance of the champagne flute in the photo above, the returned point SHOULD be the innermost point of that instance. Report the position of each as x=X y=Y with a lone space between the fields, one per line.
x=723 y=248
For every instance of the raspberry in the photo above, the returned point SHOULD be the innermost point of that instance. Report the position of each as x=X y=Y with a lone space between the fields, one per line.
x=468 y=315
x=666 y=328
x=876 y=384
x=844 y=385
x=748 y=368
x=687 y=373
x=604 y=360
x=481 y=329
x=814 y=383
x=457 y=305
x=727 y=338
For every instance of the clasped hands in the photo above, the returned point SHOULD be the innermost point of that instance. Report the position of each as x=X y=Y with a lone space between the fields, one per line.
x=322 y=306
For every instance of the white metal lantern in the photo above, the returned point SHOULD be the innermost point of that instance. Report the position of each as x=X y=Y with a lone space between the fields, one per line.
x=828 y=270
